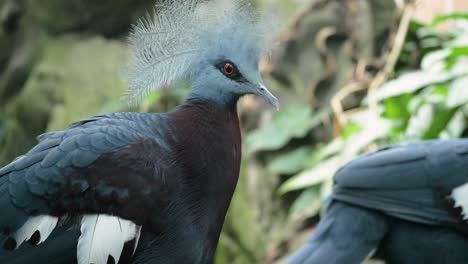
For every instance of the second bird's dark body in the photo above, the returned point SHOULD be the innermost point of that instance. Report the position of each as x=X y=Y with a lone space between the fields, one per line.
x=174 y=174
x=404 y=202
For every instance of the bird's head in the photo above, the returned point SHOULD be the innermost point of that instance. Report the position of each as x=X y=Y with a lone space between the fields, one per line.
x=215 y=45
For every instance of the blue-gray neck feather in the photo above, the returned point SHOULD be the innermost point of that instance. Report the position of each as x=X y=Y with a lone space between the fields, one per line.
x=215 y=95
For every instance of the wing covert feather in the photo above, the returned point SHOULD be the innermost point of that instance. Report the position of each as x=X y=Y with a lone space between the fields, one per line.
x=68 y=171
x=411 y=182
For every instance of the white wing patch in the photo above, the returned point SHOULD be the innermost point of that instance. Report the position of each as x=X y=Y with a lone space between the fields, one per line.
x=44 y=224
x=103 y=236
x=460 y=196
x=371 y=254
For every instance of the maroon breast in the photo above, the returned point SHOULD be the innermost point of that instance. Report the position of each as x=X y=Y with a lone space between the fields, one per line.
x=210 y=146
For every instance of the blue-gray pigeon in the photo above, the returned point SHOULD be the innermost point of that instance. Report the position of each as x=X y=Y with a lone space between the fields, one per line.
x=407 y=203
x=158 y=184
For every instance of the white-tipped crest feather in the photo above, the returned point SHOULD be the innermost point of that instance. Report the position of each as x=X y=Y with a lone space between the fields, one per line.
x=166 y=47
x=104 y=235
x=44 y=224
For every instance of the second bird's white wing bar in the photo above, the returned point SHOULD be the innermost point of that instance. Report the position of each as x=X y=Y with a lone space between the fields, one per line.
x=460 y=197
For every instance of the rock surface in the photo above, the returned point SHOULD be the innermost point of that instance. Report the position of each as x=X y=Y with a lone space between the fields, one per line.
x=58 y=91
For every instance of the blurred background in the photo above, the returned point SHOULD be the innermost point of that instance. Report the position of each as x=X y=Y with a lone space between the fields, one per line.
x=352 y=76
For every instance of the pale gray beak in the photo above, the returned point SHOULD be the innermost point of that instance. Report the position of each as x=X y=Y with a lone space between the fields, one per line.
x=262 y=91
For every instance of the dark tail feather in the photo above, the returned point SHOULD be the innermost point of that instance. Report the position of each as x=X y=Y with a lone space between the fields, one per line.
x=59 y=248
x=346 y=234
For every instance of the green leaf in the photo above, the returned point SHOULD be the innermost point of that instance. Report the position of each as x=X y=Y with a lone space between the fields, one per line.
x=413 y=81
x=414 y=26
x=420 y=121
x=397 y=107
x=442 y=18
x=430 y=43
x=374 y=128
x=428 y=110
x=292 y=122
x=350 y=129
x=331 y=148
x=320 y=173
x=458 y=92
x=436 y=94
x=435 y=70
x=291 y=162
x=308 y=202
x=454 y=55
x=455 y=127
x=304 y=157
x=436 y=60
x=440 y=121
x=426 y=33
x=459 y=51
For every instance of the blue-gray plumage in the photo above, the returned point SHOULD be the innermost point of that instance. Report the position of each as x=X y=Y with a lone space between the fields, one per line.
x=143 y=187
x=405 y=202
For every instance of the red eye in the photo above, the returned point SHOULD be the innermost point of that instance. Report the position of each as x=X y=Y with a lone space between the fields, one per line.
x=228 y=69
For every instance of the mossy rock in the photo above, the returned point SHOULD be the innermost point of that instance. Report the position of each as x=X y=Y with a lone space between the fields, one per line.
x=21 y=42
x=107 y=17
x=77 y=77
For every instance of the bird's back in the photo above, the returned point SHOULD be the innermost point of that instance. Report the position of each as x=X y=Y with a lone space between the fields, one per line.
x=414 y=182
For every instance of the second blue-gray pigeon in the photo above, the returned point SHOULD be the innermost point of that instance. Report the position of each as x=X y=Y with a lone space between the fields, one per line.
x=405 y=204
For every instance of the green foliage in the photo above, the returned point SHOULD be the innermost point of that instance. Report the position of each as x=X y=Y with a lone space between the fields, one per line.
x=420 y=41
x=309 y=201
x=320 y=173
x=291 y=162
x=442 y=18
x=67 y=84
x=458 y=92
x=426 y=103
x=288 y=123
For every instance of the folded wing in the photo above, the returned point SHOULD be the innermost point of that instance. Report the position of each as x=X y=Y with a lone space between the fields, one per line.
x=104 y=170
x=415 y=182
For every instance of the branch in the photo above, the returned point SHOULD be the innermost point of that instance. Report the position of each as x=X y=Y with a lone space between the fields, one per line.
x=381 y=77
